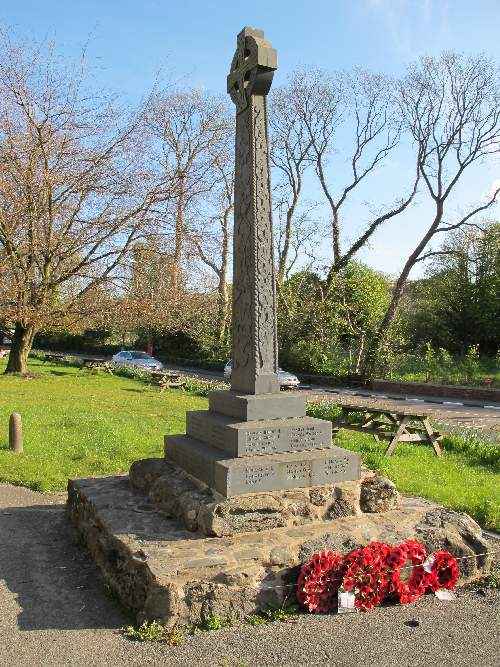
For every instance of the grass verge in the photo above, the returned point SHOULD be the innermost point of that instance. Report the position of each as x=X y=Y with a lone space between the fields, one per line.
x=466 y=478
x=77 y=423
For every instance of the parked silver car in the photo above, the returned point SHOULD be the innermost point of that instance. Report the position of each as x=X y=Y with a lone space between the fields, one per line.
x=137 y=359
x=285 y=378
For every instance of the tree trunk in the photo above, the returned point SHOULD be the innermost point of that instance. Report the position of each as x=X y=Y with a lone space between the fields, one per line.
x=222 y=287
x=370 y=363
x=361 y=353
x=283 y=255
x=179 y=237
x=21 y=347
x=223 y=310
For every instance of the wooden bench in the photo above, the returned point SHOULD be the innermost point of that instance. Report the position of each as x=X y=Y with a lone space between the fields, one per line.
x=390 y=424
x=167 y=380
x=53 y=358
x=91 y=363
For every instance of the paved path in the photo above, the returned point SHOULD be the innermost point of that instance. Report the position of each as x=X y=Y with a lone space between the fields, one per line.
x=53 y=611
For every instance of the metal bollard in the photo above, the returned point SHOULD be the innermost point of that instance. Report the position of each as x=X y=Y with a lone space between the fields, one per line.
x=16 y=433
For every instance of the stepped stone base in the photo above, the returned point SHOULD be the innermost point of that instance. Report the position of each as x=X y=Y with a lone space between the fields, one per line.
x=179 y=496
x=250 y=438
x=250 y=407
x=160 y=571
x=250 y=474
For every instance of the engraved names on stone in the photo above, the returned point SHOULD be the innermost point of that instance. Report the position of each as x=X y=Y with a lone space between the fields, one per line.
x=259 y=437
x=235 y=476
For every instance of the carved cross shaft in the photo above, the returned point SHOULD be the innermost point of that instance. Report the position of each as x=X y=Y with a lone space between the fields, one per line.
x=255 y=346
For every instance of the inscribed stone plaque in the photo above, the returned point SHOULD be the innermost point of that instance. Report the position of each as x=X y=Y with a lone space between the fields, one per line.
x=270 y=436
x=285 y=471
x=236 y=476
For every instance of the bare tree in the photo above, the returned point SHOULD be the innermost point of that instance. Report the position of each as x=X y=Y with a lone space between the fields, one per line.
x=451 y=107
x=188 y=125
x=296 y=241
x=290 y=156
x=74 y=191
x=359 y=102
x=210 y=233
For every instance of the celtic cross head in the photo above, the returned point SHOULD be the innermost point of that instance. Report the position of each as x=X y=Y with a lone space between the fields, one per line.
x=252 y=68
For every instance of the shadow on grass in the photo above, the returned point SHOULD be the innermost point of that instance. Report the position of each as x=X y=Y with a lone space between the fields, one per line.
x=53 y=581
x=134 y=391
x=60 y=373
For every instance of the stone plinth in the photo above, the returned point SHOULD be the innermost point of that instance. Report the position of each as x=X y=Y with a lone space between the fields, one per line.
x=179 y=496
x=252 y=407
x=259 y=442
x=250 y=474
x=250 y=438
x=164 y=572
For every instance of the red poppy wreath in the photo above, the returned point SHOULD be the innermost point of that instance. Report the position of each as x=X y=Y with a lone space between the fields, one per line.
x=319 y=581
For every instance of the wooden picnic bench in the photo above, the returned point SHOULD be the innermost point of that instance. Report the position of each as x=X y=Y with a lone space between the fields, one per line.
x=167 y=380
x=390 y=424
x=92 y=363
x=53 y=358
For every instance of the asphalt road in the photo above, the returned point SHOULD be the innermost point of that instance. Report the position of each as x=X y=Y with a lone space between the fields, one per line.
x=53 y=611
x=447 y=411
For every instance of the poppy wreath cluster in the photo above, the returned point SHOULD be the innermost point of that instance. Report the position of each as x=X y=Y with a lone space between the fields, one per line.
x=319 y=581
x=374 y=573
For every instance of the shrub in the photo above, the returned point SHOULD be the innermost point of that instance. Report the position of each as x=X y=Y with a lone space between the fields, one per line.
x=201 y=387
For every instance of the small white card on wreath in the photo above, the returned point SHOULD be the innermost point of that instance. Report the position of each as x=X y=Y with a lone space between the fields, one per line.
x=443 y=594
x=346 y=602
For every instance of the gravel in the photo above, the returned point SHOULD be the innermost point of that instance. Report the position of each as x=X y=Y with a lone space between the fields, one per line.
x=53 y=611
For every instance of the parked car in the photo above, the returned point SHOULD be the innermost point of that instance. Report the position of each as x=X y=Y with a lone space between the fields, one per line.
x=137 y=359
x=285 y=378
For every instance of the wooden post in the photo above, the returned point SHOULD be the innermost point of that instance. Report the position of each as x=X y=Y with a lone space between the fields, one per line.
x=16 y=433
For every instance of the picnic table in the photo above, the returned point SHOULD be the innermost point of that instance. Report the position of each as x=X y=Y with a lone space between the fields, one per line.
x=95 y=363
x=167 y=379
x=52 y=357
x=394 y=425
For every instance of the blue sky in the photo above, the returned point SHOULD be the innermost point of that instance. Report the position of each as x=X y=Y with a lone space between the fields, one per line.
x=129 y=41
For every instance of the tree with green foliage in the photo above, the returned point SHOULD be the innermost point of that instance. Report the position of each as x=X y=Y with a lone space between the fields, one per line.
x=324 y=326
x=457 y=305
x=450 y=106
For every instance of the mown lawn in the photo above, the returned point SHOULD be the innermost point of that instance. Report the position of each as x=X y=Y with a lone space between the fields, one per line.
x=466 y=478
x=77 y=423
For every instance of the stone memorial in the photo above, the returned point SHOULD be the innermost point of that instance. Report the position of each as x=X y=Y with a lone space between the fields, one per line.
x=220 y=525
x=255 y=438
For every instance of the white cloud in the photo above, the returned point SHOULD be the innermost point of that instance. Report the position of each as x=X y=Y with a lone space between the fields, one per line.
x=405 y=21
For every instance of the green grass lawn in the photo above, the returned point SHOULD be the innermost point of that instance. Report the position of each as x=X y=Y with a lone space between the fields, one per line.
x=456 y=480
x=78 y=424
x=466 y=478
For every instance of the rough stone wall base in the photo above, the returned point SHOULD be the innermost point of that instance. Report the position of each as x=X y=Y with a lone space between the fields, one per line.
x=164 y=572
x=177 y=495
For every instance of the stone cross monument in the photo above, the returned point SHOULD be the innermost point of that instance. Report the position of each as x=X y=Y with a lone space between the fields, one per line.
x=255 y=344
x=255 y=438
